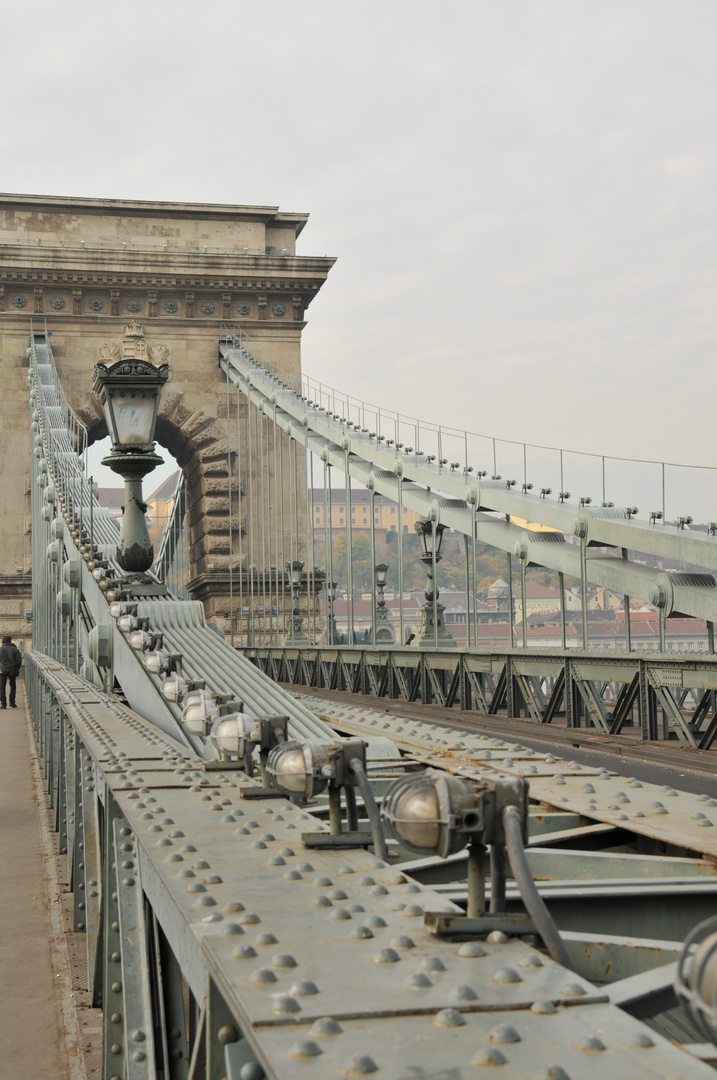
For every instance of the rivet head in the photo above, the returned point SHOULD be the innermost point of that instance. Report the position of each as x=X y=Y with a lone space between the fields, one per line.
x=338 y=894
x=303 y=988
x=244 y=952
x=378 y=890
x=402 y=942
x=262 y=975
x=249 y=918
x=325 y=1025
x=340 y=913
x=533 y=961
x=386 y=956
x=471 y=949
x=590 y=1044
x=411 y=911
x=504 y=1033
x=462 y=993
x=552 y=1072
x=572 y=990
x=116 y=986
x=138 y=1055
x=431 y=963
x=292 y=875
x=305 y=1048
x=285 y=1003
x=227 y=1034
x=115 y=1048
x=321 y=901
x=543 y=1008
x=322 y=882
x=283 y=960
x=507 y=975
x=361 y=933
x=497 y=937
x=116 y=1018
x=489 y=1056
x=138 y=1036
x=417 y=981
x=266 y=938
x=448 y=1018
x=359 y=1065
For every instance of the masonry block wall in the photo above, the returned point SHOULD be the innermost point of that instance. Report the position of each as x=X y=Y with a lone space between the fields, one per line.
x=86 y=268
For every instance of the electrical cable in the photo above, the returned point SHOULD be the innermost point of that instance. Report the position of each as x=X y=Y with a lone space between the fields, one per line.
x=512 y=823
x=379 y=839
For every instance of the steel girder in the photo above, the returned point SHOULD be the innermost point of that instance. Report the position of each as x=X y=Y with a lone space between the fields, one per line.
x=212 y=952
x=608 y=691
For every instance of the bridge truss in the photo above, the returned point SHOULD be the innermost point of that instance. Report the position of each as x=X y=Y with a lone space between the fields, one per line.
x=225 y=936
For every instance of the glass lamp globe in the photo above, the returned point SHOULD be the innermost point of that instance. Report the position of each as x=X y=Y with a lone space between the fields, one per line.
x=295 y=766
x=234 y=734
x=197 y=707
x=427 y=812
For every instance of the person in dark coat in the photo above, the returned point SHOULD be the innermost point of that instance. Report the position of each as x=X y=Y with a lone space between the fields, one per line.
x=10 y=664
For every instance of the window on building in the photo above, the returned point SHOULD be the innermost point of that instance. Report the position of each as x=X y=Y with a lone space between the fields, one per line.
x=393 y=509
x=405 y=510
x=405 y=528
x=341 y=521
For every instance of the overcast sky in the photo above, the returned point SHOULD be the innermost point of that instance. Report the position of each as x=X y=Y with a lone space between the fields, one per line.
x=521 y=195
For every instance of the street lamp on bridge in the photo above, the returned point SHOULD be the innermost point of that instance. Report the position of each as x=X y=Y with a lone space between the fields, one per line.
x=331 y=634
x=385 y=633
x=295 y=632
x=129 y=391
x=432 y=632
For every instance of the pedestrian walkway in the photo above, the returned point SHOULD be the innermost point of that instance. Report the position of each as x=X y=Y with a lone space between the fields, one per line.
x=30 y=1027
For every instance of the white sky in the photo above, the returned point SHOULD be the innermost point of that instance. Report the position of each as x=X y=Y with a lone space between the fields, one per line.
x=521 y=195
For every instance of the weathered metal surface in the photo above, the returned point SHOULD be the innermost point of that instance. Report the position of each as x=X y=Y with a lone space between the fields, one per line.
x=677 y=818
x=299 y=944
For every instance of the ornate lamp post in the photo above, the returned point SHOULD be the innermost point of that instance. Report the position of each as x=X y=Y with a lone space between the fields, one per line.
x=385 y=633
x=129 y=391
x=330 y=635
x=432 y=632
x=295 y=631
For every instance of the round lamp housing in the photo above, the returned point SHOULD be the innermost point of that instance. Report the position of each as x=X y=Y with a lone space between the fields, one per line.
x=295 y=767
x=235 y=734
x=432 y=813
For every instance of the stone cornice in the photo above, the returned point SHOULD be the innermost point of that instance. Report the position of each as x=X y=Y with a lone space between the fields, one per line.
x=144 y=207
x=149 y=265
x=238 y=283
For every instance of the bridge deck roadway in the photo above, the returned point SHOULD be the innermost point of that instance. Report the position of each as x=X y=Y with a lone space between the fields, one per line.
x=651 y=762
x=43 y=1017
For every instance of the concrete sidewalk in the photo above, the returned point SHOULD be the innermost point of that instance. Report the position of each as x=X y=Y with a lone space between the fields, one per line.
x=31 y=1035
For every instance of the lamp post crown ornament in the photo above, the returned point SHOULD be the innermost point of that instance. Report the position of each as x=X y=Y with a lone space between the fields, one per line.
x=134 y=346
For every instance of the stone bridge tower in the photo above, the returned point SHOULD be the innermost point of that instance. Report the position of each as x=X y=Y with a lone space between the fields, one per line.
x=87 y=269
